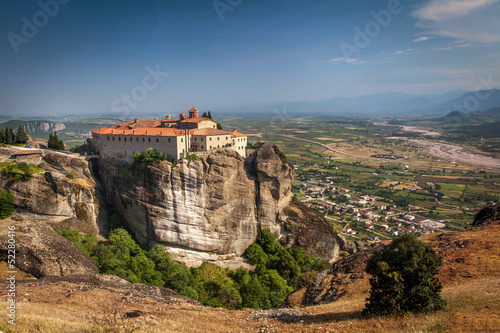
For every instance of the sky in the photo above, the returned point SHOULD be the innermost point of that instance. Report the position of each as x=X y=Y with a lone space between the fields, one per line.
x=62 y=57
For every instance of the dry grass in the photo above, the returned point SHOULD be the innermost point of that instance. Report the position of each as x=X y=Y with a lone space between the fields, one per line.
x=470 y=274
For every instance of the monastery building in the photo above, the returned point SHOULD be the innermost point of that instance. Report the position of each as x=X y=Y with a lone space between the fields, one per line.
x=176 y=137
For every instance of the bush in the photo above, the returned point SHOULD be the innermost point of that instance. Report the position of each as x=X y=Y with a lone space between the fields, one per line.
x=20 y=171
x=6 y=204
x=404 y=278
x=150 y=155
x=70 y=175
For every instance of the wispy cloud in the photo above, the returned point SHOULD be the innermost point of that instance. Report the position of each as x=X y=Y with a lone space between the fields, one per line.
x=352 y=61
x=451 y=47
x=441 y=48
x=421 y=39
x=473 y=20
x=398 y=52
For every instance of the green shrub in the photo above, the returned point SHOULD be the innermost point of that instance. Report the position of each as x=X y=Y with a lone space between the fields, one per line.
x=150 y=155
x=404 y=278
x=6 y=204
x=20 y=171
x=70 y=175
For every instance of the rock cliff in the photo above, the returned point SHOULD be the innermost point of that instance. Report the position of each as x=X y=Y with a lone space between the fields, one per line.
x=74 y=202
x=42 y=252
x=34 y=126
x=215 y=208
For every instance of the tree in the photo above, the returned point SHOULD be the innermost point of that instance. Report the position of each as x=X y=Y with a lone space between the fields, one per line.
x=219 y=126
x=21 y=135
x=2 y=136
x=404 y=278
x=209 y=115
x=54 y=142
x=204 y=115
x=6 y=204
x=9 y=138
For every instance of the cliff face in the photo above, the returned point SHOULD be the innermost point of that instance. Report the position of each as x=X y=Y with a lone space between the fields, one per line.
x=43 y=126
x=58 y=200
x=213 y=210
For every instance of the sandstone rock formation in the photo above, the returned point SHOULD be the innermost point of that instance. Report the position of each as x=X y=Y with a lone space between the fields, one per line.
x=40 y=251
x=77 y=203
x=43 y=126
x=344 y=275
x=487 y=215
x=214 y=209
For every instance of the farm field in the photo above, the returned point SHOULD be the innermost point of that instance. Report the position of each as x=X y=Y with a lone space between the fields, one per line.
x=344 y=153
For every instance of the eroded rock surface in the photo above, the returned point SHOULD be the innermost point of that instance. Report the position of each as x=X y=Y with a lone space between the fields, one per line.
x=214 y=209
x=40 y=251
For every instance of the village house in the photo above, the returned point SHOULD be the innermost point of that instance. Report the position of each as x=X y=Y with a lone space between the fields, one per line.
x=175 y=137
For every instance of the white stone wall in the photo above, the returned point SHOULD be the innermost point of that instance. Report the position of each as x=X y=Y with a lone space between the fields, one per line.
x=240 y=145
x=125 y=146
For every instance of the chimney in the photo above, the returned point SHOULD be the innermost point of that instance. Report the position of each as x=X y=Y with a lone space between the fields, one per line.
x=181 y=116
x=235 y=129
x=167 y=117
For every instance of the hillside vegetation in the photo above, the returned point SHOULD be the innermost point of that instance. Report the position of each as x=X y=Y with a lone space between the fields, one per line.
x=471 y=286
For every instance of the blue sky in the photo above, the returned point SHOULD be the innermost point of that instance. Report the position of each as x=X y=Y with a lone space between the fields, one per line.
x=88 y=56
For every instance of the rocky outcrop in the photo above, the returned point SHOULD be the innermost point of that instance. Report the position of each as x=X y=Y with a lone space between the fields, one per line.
x=345 y=276
x=42 y=252
x=43 y=126
x=215 y=208
x=487 y=215
x=76 y=203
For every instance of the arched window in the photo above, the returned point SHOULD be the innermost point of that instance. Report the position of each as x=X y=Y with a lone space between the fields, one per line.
x=119 y=138
x=108 y=138
x=157 y=140
x=182 y=139
x=201 y=139
x=149 y=139
x=113 y=138
x=201 y=147
x=125 y=139
x=143 y=139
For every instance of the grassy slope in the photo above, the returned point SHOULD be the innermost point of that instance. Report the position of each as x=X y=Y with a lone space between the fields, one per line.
x=470 y=274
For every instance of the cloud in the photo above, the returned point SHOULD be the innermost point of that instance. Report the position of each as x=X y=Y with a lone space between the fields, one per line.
x=421 y=39
x=398 y=52
x=441 y=48
x=352 y=61
x=472 y=20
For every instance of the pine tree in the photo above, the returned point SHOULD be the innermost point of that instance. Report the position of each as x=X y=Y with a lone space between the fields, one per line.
x=209 y=115
x=204 y=115
x=54 y=142
x=12 y=135
x=21 y=136
x=2 y=136
x=8 y=137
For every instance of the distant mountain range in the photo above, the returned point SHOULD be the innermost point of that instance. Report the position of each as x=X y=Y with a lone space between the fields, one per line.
x=390 y=104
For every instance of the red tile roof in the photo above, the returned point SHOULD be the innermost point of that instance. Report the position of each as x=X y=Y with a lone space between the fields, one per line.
x=196 y=120
x=28 y=152
x=193 y=109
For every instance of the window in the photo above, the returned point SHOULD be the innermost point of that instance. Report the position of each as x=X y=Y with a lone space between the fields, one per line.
x=226 y=137
x=210 y=147
x=168 y=140
x=125 y=139
x=157 y=140
x=218 y=138
x=143 y=139
x=218 y=146
x=201 y=147
x=149 y=139
x=182 y=139
x=210 y=138
x=201 y=139
x=194 y=139
x=108 y=138
x=113 y=138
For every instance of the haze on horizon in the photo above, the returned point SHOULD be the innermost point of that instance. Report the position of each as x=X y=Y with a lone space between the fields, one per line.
x=72 y=57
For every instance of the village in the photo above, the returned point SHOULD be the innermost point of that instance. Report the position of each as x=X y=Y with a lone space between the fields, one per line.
x=364 y=217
